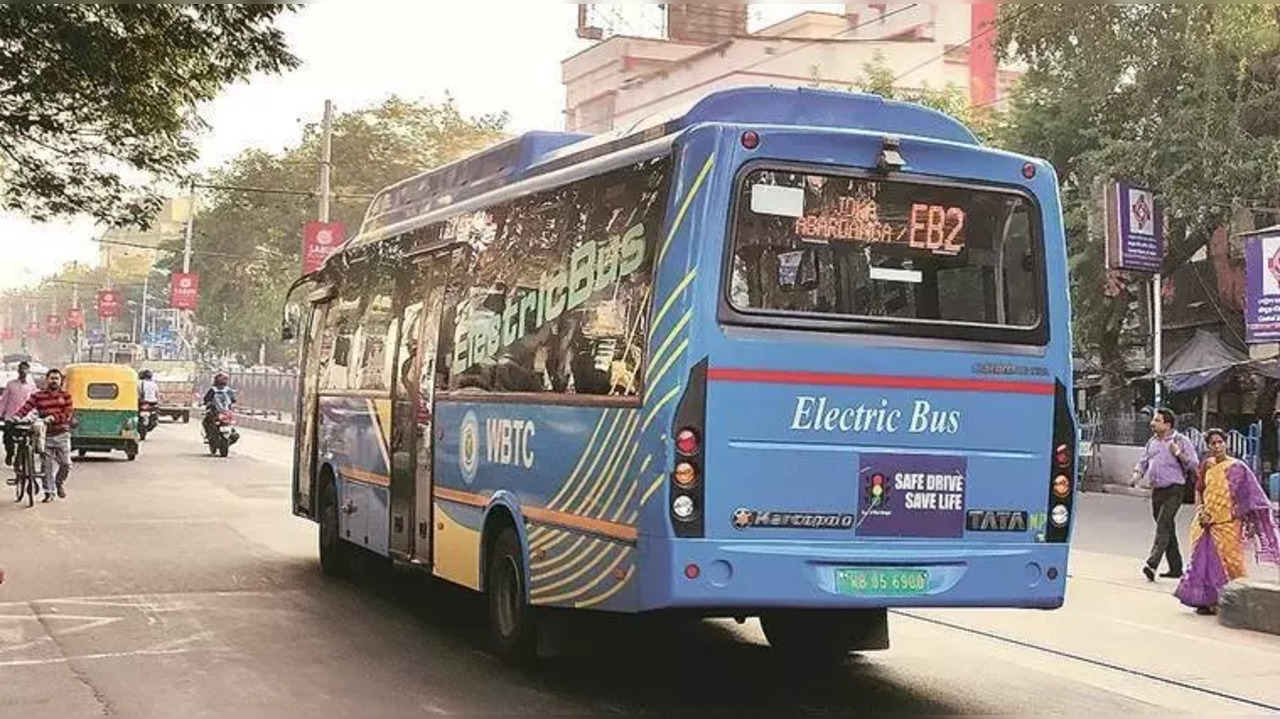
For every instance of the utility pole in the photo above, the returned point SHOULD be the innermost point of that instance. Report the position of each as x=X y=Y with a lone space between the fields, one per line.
x=1157 y=322
x=326 y=158
x=75 y=304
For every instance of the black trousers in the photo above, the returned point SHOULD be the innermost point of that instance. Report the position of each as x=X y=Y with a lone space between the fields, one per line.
x=1165 y=503
x=8 y=444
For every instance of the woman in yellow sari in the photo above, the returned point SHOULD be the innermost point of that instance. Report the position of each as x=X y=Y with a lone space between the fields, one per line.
x=1231 y=511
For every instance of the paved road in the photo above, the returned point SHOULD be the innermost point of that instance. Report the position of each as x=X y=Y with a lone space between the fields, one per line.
x=179 y=584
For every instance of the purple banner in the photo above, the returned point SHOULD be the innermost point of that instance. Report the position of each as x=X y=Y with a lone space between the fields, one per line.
x=1135 y=229
x=1262 y=289
x=903 y=495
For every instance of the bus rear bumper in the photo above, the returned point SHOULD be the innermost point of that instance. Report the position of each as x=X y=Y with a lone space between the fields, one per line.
x=758 y=575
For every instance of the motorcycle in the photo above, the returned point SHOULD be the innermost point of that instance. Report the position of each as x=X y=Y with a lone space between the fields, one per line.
x=224 y=434
x=148 y=418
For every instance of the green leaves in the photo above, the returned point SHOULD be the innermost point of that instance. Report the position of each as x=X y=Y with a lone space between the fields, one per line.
x=1183 y=98
x=248 y=244
x=91 y=94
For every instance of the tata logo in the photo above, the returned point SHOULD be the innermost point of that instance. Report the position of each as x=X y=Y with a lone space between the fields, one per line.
x=995 y=520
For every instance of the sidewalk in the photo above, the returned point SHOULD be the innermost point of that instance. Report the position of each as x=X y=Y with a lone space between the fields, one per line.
x=1113 y=615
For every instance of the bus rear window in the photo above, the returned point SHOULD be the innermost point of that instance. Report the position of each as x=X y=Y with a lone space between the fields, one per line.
x=866 y=249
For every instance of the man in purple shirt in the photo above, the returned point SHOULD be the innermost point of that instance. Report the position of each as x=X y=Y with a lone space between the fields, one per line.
x=1166 y=460
x=16 y=393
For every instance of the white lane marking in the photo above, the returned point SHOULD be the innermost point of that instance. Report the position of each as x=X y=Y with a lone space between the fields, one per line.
x=88 y=657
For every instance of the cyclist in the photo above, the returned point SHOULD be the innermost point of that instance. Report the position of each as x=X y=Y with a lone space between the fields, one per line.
x=15 y=394
x=53 y=404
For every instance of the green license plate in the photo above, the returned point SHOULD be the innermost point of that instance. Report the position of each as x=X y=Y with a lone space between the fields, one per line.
x=882 y=581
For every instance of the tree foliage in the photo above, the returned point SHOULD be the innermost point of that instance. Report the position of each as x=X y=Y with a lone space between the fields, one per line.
x=247 y=245
x=97 y=102
x=1184 y=98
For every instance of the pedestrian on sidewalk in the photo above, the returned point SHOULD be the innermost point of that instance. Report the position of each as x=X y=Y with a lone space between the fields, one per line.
x=1167 y=460
x=1231 y=510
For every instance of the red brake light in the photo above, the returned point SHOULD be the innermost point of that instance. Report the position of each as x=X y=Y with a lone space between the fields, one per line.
x=1062 y=456
x=687 y=442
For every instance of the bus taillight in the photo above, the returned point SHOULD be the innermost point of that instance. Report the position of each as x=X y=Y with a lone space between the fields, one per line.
x=1061 y=467
x=687 y=442
x=687 y=484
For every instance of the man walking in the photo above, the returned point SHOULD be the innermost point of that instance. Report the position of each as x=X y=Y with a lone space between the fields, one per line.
x=16 y=393
x=1166 y=461
x=53 y=404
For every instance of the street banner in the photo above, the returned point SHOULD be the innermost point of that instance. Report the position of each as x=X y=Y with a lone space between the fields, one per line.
x=1134 y=229
x=53 y=325
x=184 y=291
x=33 y=330
x=108 y=304
x=1262 y=287
x=6 y=334
x=75 y=318
x=319 y=240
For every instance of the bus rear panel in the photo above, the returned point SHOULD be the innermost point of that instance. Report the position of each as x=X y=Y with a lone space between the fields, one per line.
x=878 y=381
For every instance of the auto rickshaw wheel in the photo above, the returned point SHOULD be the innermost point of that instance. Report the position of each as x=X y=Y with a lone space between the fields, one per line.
x=131 y=453
x=82 y=453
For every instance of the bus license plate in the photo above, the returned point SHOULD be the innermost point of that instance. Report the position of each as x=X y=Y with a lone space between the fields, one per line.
x=882 y=581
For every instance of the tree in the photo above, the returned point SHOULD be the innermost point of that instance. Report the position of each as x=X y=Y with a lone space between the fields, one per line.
x=878 y=79
x=248 y=244
x=1182 y=98
x=99 y=101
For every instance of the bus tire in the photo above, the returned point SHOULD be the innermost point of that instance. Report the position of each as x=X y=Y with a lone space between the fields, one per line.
x=511 y=620
x=826 y=635
x=334 y=554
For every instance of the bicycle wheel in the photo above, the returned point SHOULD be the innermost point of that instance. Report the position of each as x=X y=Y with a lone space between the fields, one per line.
x=20 y=482
x=29 y=469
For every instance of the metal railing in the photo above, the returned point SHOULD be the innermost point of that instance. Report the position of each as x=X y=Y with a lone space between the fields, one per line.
x=264 y=393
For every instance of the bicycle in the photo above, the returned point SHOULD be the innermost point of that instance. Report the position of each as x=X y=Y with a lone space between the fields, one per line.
x=24 y=461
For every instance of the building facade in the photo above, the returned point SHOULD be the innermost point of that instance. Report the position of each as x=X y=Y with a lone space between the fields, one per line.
x=621 y=78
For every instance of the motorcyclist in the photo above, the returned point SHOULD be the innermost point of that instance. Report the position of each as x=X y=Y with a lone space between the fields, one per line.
x=219 y=398
x=148 y=388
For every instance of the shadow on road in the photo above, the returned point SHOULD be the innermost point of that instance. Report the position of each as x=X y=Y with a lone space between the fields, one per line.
x=652 y=663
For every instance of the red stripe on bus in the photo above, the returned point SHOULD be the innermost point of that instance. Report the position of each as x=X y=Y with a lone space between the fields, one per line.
x=725 y=374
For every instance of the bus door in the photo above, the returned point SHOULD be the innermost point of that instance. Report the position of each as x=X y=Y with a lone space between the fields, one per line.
x=305 y=445
x=423 y=288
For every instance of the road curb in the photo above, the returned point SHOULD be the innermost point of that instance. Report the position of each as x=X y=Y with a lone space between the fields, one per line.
x=1251 y=604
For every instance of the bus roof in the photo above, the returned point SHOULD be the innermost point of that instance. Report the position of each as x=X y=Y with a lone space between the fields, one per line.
x=536 y=153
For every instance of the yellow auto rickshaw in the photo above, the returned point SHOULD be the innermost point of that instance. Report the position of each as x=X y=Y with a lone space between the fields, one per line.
x=105 y=398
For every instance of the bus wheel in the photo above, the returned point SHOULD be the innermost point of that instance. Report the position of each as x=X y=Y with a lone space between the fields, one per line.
x=333 y=553
x=511 y=621
x=826 y=636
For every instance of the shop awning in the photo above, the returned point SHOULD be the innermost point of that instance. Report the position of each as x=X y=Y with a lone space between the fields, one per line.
x=1199 y=363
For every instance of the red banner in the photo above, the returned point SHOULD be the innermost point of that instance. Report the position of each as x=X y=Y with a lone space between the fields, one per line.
x=75 y=318
x=53 y=325
x=108 y=304
x=184 y=290
x=319 y=240
x=6 y=334
x=33 y=330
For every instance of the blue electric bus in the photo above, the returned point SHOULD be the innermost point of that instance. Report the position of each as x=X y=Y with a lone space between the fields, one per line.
x=788 y=354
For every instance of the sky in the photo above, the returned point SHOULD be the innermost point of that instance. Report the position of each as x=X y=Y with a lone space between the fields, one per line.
x=490 y=56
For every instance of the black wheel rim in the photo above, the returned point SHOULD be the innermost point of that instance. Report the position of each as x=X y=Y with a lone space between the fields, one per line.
x=507 y=597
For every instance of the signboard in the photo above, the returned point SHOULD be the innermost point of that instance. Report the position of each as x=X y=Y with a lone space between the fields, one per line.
x=33 y=330
x=1262 y=288
x=53 y=325
x=6 y=334
x=75 y=318
x=184 y=291
x=1135 y=229
x=319 y=240
x=912 y=495
x=108 y=304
